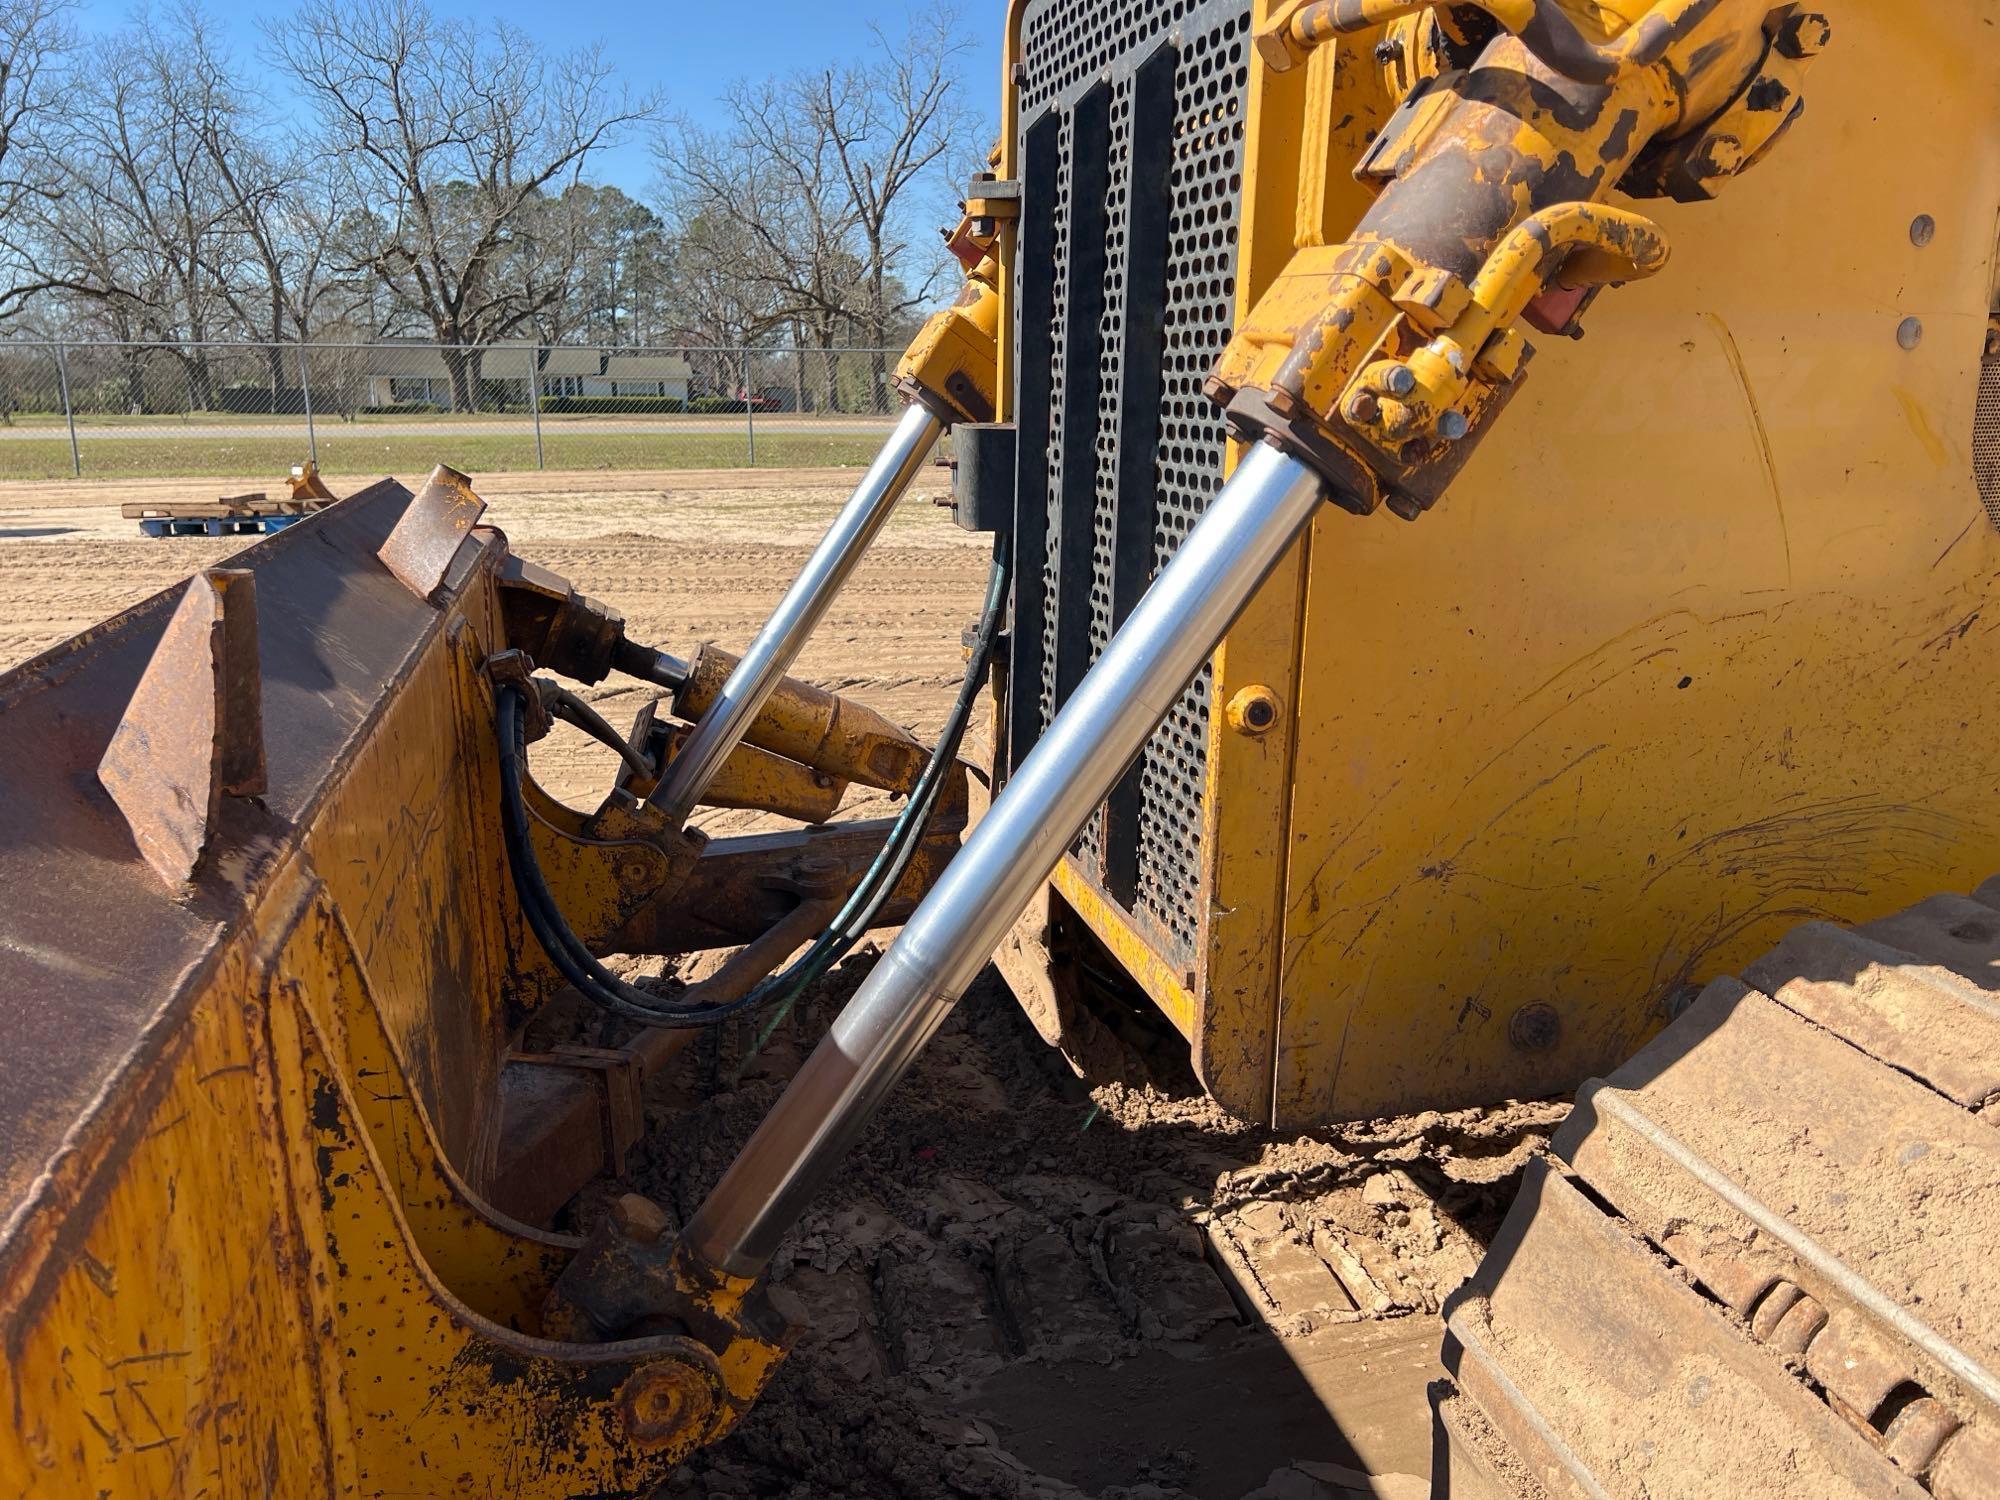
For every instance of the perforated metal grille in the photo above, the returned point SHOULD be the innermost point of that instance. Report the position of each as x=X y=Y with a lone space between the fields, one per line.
x=1986 y=438
x=1081 y=56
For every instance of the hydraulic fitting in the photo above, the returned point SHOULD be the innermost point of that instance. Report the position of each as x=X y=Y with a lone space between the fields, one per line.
x=1382 y=360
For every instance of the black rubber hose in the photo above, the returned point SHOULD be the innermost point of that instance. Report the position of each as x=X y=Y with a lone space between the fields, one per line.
x=574 y=710
x=538 y=904
x=864 y=904
x=601 y=987
x=977 y=663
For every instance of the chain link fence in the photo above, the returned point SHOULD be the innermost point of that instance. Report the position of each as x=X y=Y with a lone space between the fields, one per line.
x=132 y=410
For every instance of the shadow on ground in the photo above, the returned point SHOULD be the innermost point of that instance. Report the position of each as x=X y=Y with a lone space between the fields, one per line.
x=1026 y=1287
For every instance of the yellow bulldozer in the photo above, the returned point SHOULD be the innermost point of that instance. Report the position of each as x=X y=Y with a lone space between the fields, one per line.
x=1403 y=731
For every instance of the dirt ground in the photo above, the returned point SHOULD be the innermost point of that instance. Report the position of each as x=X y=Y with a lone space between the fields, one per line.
x=687 y=557
x=1023 y=1285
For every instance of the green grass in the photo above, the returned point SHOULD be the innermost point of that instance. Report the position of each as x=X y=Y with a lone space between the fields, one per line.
x=175 y=421
x=350 y=453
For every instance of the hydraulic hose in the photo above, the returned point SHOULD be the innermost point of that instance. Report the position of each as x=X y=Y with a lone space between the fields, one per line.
x=570 y=708
x=566 y=951
x=601 y=987
x=864 y=904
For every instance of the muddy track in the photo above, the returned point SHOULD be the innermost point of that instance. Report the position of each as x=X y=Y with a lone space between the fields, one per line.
x=1022 y=1286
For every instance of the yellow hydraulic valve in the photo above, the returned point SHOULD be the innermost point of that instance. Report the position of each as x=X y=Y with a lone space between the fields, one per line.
x=950 y=365
x=1382 y=359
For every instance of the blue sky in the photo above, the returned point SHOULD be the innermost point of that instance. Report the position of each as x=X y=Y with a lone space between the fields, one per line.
x=690 y=51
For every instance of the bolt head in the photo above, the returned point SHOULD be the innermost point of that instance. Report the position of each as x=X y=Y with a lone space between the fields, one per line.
x=1535 y=1028
x=1399 y=380
x=664 y=1403
x=1452 y=426
x=1923 y=229
x=1364 y=407
x=1803 y=35
x=1253 y=710
x=1389 y=50
x=1910 y=332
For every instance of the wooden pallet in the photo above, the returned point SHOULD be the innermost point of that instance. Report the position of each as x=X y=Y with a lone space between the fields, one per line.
x=233 y=515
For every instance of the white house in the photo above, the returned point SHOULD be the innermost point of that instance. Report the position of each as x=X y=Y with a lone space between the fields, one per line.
x=406 y=373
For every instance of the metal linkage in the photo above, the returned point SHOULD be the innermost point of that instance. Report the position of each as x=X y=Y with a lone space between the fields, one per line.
x=777 y=645
x=1172 y=630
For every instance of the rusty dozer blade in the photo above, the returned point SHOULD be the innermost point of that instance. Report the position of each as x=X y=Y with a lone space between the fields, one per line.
x=270 y=1141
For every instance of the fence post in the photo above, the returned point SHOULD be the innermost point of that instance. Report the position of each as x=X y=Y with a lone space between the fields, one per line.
x=306 y=393
x=535 y=398
x=69 y=412
x=749 y=416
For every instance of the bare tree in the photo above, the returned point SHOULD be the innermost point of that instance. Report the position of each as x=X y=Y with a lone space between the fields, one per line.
x=448 y=135
x=714 y=306
x=35 y=41
x=764 y=225
x=891 y=123
x=825 y=177
x=144 y=233
x=280 y=199
x=169 y=222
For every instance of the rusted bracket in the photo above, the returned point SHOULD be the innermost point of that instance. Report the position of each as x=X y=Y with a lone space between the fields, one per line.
x=194 y=730
x=439 y=518
x=621 y=1079
x=307 y=485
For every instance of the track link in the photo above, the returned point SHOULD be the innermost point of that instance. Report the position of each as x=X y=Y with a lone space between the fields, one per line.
x=1765 y=1260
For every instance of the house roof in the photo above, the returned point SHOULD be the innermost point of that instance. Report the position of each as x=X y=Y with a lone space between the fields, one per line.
x=646 y=367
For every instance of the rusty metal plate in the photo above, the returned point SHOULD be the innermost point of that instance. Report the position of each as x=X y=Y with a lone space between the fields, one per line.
x=194 y=730
x=1609 y=1376
x=439 y=519
x=95 y=953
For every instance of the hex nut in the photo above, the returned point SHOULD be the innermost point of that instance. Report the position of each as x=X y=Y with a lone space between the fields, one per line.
x=1254 y=710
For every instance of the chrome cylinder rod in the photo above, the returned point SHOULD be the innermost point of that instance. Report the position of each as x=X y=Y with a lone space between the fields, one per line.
x=777 y=645
x=987 y=885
